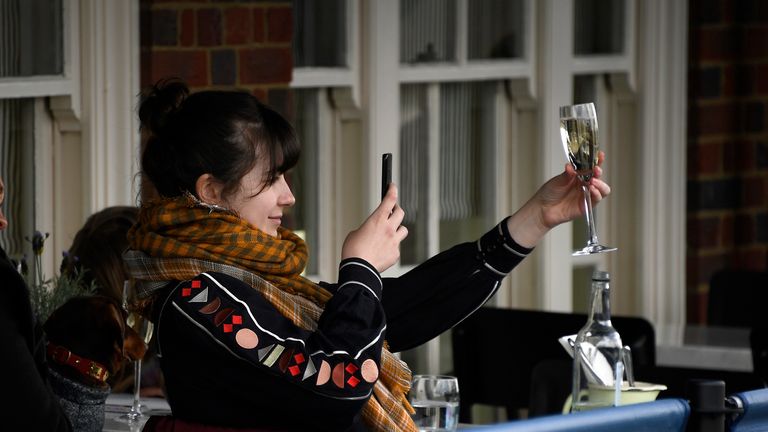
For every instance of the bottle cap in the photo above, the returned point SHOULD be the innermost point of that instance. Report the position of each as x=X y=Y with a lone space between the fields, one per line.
x=602 y=276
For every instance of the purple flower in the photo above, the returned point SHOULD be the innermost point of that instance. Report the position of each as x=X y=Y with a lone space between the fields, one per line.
x=38 y=241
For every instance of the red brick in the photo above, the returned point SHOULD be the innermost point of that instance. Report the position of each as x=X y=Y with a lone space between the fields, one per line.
x=703 y=233
x=745 y=229
x=727 y=230
x=749 y=259
x=191 y=66
x=260 y=93
x=266 y=66
x=730 y=156
x=209 y=27
x=754 y=43
x=754 y=193
x=237 y=25
x=187 y=31
x=704 y=158
x=259 y=25
x=701 y=268
x=715 y=119
x=728 y=86
x=715 y=44
x=759 y=79
x=279 y=24
x=696 y=307
x=744 y=156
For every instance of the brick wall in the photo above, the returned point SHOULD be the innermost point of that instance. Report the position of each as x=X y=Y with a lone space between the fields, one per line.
x=727 y=224
x=220 y=44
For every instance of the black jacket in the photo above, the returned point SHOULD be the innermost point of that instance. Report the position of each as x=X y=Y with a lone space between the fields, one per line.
x=230 y=358
x=30 y=404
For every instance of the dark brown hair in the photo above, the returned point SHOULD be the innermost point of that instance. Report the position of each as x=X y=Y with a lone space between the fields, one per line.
x=97 y=250
x=222 y=133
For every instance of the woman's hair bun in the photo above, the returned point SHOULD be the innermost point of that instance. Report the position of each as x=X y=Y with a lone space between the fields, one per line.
x=159 y=102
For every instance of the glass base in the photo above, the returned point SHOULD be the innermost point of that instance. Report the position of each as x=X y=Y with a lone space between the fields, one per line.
x=593 y=249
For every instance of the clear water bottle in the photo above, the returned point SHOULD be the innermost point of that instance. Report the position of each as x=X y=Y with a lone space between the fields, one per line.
x=598 y=368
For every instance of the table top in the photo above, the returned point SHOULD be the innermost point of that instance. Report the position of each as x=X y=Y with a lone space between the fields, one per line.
x=120 y=403
x=704 y=347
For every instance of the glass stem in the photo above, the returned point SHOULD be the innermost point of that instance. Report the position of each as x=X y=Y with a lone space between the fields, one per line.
x=136 y=387
x=591 y=230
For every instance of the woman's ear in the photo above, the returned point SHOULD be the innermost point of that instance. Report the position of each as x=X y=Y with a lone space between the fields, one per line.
x=209 y=189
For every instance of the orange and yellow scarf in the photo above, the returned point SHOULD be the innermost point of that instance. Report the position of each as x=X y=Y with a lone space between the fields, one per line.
x=177 y=239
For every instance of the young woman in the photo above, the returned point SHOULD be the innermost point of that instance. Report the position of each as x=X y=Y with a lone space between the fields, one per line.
x=244 y=339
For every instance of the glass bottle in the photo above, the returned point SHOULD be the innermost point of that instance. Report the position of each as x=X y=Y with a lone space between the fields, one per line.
x=598 y=369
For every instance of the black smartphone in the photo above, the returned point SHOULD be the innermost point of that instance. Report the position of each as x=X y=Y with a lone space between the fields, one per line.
x=386 y=173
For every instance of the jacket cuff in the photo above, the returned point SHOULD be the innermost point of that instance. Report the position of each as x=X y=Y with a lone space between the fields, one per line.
x=357 y=272
x=498 y=252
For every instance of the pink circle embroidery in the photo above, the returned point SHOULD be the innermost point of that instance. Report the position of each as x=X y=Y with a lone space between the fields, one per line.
x=246 y=338
x=325 y=373
x=338 y=375
x=369 y=371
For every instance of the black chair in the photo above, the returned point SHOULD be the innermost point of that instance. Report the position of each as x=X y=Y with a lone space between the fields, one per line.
x=737 y=298
x=496 y=351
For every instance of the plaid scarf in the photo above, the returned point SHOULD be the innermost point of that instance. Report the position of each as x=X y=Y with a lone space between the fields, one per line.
x=180 y=238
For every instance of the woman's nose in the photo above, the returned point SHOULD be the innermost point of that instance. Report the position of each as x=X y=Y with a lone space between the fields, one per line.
x=286 y=197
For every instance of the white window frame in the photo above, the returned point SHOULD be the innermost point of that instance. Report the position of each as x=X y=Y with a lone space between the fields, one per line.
x=86 y=136
x=654 y=47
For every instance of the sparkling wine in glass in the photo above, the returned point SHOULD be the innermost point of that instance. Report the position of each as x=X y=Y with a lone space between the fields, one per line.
x=578 y=132
x=143 y=327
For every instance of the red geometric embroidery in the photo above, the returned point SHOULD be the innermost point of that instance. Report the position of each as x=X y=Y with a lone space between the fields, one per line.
x=294 y=370
x=299 y=358
x=351 y=368
x=227 y=328
x=352 y=381
x=195 y=284
x=237 y=319
x=186 y=292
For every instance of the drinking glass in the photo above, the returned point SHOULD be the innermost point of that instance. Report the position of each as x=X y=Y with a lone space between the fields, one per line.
x=436 y=401
x=143 y=327
x=578 y=132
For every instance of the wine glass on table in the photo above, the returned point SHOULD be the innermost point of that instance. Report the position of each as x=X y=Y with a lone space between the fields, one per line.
x=578 y=132
x=144 y=327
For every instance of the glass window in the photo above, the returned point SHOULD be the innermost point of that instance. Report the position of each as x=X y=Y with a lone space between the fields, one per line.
x=304 y=215
x=496 y=29
x=16 y=170
x=31 y=38
x=427 y=31
x=465 y=153
x=414 y=126
x=598 y=27
x=319 y=33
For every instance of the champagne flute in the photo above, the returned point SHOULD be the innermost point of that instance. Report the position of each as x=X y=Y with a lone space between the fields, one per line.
x=144 y=328
x=578 y=132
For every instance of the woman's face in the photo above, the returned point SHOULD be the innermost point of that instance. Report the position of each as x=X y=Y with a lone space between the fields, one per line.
x=262 y=208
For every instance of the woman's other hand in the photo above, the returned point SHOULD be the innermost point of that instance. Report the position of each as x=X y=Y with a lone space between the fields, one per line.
x=558 y=200
x=378 y=238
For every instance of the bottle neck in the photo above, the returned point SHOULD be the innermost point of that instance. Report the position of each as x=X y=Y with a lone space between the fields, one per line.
x=600 y=302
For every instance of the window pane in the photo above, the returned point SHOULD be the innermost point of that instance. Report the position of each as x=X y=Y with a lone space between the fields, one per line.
x=319 y=33
x=17 y=171
x=599 y=27
x=414 y=126
x=467 y=150
x=496 y=29
x=304 y=215
x=427 y=31
x=30 y=38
